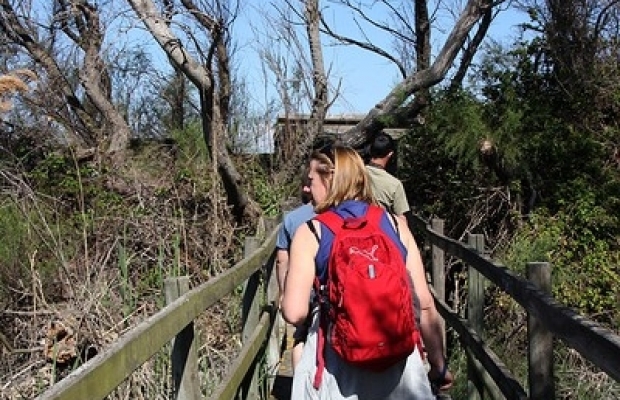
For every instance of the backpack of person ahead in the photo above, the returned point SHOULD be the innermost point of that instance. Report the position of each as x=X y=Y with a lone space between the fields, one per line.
x=366 y=309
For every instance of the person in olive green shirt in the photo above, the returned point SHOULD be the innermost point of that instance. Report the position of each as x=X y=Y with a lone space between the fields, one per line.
x=387 y=189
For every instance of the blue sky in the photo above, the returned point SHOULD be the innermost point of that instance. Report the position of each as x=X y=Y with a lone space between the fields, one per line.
x=365 y=78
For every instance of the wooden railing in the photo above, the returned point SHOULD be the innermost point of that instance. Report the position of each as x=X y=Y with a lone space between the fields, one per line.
x=547 y=319
x=487 y=374
x=174 y=323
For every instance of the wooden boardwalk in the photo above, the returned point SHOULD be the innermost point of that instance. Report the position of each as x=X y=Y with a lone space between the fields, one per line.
x=284 y=379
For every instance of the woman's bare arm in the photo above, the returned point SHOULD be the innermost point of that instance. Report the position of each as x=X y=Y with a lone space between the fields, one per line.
x=430 y=325
x=300 y=277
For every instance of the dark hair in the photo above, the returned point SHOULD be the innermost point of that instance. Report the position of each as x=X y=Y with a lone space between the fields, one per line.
x=381 y=145
x=305 y=182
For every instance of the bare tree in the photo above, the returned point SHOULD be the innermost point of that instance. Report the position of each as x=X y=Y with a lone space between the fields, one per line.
x=319 y=94
x=195 y=36
x=319 y=78
x=177 y=92
x=211 y=74
x=411 y=29
x=293 y=53
x=284 y=54
x=472 y=47
x=423 y=78
x=91 y=120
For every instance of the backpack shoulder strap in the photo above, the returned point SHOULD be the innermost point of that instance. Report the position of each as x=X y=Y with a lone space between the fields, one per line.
x=332 y=220
x=313 y=230
x=395 y=223
x=375 y=213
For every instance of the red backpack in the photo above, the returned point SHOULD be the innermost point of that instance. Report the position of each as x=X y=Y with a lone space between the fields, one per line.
x=366 y=306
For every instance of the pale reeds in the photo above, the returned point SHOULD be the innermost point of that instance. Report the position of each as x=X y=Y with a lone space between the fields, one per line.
x=11 y=83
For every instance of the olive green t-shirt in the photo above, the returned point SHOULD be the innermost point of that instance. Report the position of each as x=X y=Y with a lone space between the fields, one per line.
x=388 y=190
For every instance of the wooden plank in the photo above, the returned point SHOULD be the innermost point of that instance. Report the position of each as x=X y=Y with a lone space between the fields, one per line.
x=246 y=359
x=439 y=272
x=540 y=341
x=102 y=374
x=251 y=316
x=595 y=343
x=274 y=344
x=475 y=319
x=497 y=373
x=184 y=357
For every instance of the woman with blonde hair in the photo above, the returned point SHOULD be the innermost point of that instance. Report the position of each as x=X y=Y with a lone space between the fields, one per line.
x=341 y=173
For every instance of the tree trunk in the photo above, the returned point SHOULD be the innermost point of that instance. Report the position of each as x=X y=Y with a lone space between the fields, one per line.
x=119 y=131
x=22 y=36
x=472 y=48
x=80 y=23
x=213 y=116
x=426 y=78
x=319 y=102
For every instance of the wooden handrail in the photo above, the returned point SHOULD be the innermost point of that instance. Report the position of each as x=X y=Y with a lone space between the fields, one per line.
x=595 y=343
x=508 y=384
x=229 y=386
x=101 y=375
x=104 y=373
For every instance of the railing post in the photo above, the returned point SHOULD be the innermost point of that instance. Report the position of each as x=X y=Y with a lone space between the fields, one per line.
x=475 y=318
x=540 y=352
x=439 y=272
x=275 y=339
x=479 y=382
x=251 y=316
x=184 y=354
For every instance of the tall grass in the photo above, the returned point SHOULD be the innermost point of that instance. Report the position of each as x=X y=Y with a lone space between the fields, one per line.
x=96 y=261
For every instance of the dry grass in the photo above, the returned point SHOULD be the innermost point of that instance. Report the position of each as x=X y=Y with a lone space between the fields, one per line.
x=107 y=278
x=13 y=82
x=576 y=378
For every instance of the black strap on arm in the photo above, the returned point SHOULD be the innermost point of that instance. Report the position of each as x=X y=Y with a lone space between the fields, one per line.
x=395 y=223
x=313 y=230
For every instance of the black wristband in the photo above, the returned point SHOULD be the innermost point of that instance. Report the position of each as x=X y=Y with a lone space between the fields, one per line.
x=437 y=382
x=444 y=371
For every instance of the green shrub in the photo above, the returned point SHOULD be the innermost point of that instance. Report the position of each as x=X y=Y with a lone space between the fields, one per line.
x=15 y=247
x=575 y=241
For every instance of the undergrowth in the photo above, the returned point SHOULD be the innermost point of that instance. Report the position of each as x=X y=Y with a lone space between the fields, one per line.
x=84 y=255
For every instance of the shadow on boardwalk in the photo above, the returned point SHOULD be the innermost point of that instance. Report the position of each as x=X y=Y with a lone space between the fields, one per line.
x=284 y=380
x=282 y=388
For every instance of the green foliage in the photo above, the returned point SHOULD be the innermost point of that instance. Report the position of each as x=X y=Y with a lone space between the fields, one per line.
x=261 y=186
x=191 y=143
x=60 y=177
x=57 y=174
x=439 y=164
x=193 y=167
x=547 y=134
x=457 y=121
x=586 y=273
x=267 y=197
x=15 y=247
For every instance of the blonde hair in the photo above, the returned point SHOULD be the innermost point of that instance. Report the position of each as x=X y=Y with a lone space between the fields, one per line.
x=349 y=180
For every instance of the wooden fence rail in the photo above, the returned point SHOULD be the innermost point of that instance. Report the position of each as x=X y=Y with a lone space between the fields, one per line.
x=261 y=326
x=101 y=375
x=547 y=317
